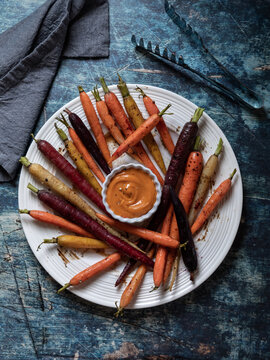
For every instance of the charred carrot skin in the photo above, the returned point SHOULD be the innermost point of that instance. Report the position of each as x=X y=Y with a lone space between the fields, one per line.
x=94 y=123
x=212 y=203
x=152 y=109
x=137 y=119
x=73 y=214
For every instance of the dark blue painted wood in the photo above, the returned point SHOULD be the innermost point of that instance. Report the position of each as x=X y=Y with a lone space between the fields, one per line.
x=227 y=317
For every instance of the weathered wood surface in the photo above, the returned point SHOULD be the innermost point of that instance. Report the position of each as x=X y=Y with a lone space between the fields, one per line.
x=228 y=316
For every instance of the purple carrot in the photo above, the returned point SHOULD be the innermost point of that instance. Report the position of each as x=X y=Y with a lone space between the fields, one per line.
x=78 y=217
x=88 y=141
x=181 y=152
x=70 y=172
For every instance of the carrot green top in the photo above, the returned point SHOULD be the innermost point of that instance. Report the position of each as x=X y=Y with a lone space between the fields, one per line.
x=219 y=147
x=197 y=114
x=122 y=86
x=104 y=85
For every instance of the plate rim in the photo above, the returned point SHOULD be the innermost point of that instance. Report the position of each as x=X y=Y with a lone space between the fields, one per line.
x=209 y=271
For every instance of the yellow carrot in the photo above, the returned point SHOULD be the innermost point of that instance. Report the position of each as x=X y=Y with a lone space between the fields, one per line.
x=79 y=161
x=136 y=117
x=138 y=134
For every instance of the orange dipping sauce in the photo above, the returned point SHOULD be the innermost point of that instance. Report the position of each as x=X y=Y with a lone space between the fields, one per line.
x=131 y=193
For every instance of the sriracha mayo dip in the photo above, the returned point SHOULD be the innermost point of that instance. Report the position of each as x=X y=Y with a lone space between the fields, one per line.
x=131 y=193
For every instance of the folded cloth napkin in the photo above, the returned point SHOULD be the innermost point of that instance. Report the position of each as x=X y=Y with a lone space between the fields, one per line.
x=29 y=58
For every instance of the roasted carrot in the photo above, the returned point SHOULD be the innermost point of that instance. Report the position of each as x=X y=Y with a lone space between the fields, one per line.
x=92 y=270
x=109 y=122
x=94 y=123
x=138 y=134
x=212 y=203
x=177 y=164
x=153 y=236
x=161 y=254
x=88 y=141
x=152 y=109
x=121 y=118
x=190 y=180
x=136 y=117
x=79 y=161
x=133 y=286
x=77 y=242
x=187 y=244
x=73 y=214
x=69 y=171
x=60 y=188
x=204 y=183
x=49 y=218
x=82 y=149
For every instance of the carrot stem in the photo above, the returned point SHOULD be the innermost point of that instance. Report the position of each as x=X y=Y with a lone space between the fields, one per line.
x=219 y=147
x=232 y=174
x=104 y=85
x=24 y=211
x=61 y=133
x=23 y=160
x=197 y=144
x=197 y=114
x=96 y=94
x=63 y=288
x=122 y=86
x=32 y=188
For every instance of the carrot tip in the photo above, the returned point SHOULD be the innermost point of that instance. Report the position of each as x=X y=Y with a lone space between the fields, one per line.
x=63 y=288
x=154 y=288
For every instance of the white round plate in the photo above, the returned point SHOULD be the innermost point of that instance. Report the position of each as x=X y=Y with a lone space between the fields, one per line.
x=212 y=244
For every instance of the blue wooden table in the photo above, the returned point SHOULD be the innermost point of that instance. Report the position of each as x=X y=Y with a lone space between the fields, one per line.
x=228 y=316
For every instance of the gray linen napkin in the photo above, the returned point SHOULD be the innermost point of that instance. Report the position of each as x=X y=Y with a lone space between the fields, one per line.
x=29 y=58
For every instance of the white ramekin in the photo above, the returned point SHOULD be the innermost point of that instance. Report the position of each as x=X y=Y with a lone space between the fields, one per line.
x=144 y=217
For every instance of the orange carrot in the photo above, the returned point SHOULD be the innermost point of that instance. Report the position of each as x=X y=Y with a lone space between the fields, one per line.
x=171 y=252
x=82 y=150
x=212 y=203
x=92 y=270
x=94 y=123
x=121 y=118
x=138 y=134
x=109 y=122
x=164 y=133
x=133 y=285
x=49 y=218
x=161 y=239
x=161 y=254
x=137 y=119
x=190 y=180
